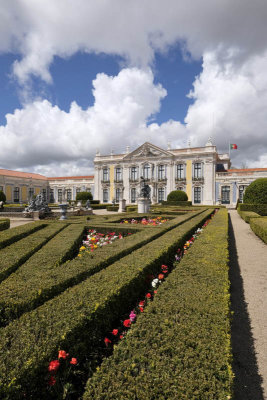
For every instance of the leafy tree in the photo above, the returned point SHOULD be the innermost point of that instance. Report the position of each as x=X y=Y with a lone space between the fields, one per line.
x=2 y=196
x=84 y=196
x=256 y=192
x=177 y=195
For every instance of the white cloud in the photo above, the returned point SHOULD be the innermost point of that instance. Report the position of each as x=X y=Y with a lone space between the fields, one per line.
x=42 y=134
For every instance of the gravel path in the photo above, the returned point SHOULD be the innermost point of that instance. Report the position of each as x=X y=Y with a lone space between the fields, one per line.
x=248 y=275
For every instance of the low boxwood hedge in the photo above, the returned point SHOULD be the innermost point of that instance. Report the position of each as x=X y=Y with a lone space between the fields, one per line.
x=247 y=215
x=76 y=319
x=16 y=254
x=179 y=348
x=177 y=203
x=259 y=227
x=15 y=234
x=4 y=224
x=112 y=208
x=131 y=208
x=45 y=282
x=260 y=209
x=15 y=296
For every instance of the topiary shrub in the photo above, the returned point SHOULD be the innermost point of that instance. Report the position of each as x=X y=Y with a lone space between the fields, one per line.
x=256 y=192
x=2 y=196
x=84 y=196
x=177 y=195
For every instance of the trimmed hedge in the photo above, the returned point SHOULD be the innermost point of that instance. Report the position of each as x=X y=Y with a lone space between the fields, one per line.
x=260 y=209
x=16 y=297
x=100 y=206
x=113 y=208
x=15 y=255
x=131 y=208
x=177 y=195
x=177 y=203
x=259 y=227
x=46 y=282
x=256 y=192
x=247 y=215
x=179 y=348
x=4 y=224
x=77 y=319
x=15 y=234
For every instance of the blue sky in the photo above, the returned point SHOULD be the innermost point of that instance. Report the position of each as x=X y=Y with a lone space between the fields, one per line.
x=77 y=77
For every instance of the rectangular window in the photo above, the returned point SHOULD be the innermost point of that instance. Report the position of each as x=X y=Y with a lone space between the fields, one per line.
x=105 y=175
x=225 y=194
x=160 y=194
x=118 y=174
x=52 y=199
x=180 y=171
x=197 y=170
x=69 y=194
x=44 y=194
x=161 y=172
x=242 y=189
x=105 y=195
x=133 y=173
x=146 y=171
x=78 y=190
x=16 y=195
x=118 y=195
x=197 y=195
x=31 y=193
x=59 y=195
x=133 y=195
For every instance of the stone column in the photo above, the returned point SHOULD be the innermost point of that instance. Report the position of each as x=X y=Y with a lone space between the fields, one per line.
x=126 y=183
x=209 y=183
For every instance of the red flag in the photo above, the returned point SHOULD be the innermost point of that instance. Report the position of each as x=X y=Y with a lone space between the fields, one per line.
x=233 y=146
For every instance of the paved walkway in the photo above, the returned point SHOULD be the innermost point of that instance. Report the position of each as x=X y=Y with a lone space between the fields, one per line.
x=248 y=275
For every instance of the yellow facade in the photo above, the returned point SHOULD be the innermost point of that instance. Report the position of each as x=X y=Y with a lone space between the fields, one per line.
x=189 y=179
x=24 y=193
x=111 y=177
x=37 y=191
x=8 y=193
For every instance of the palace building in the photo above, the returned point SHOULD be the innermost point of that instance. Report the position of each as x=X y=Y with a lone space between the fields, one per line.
x=201 y=172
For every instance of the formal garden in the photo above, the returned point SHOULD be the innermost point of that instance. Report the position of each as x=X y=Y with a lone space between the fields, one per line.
x=118 y=307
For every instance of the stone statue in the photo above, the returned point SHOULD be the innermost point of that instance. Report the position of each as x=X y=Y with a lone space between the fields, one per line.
x=38 y=204
x=144 y=189
x=88 y=205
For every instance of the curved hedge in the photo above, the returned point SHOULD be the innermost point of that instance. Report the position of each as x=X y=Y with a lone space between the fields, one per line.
x=256 y=192
x=84 y=196
x=4 y=224
x=177 y=195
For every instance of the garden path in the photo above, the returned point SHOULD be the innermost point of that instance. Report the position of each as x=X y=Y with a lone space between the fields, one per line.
x=248 y=275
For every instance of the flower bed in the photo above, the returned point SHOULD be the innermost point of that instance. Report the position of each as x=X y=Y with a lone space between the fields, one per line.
x=15 y=234
x=179 y=346
x=145 y=221
x=77 y=318
x=95 y=240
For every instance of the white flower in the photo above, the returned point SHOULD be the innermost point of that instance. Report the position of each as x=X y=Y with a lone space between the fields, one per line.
x=154 y=282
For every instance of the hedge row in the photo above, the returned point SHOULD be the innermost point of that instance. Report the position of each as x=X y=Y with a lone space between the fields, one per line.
x=259 y=227
x=4 y=224
x=16 y=254
x=177 y=203
x=179 y=348
x=15 y=234
x=260 y=209
x=45 y=282
x=112 y=208
x=76 y=319
x=247 y=215
x=16 y=297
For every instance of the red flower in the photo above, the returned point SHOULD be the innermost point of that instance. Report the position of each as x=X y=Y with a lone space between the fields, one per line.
x=62 y=354
x=142 y=303
x=107 y=341
x=52 y=381
x=73 y=361
x=161 y=276
x=53 y=366
x=115 y=332
x=155 y=291
x=148 y=295
x=121 y=336
x=164 y=267
x=127 y=323
x=141 y=309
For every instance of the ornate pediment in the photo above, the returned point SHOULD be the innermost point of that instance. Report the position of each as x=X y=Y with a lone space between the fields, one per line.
x=147 y=150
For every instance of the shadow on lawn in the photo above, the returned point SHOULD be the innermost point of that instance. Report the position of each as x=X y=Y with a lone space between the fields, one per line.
x=247 y=383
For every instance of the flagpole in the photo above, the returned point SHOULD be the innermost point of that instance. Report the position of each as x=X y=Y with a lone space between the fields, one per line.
x=230 y=154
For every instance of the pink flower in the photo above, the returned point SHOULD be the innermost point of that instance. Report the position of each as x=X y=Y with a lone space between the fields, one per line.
x=73 y=361
x=107 y=341
x=132 y=316
x=52 y=381
x=127 y=323
x=53 y=366
x=62 y=354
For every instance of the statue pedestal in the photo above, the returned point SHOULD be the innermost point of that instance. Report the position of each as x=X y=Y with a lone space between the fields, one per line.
x=122 y=206
x=143 y=205
x=35 y=215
